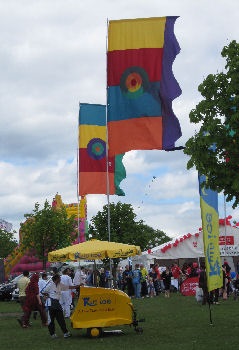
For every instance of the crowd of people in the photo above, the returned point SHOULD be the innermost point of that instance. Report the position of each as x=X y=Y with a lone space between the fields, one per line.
x=139 y=282
x=212 y=297
x=54 y=298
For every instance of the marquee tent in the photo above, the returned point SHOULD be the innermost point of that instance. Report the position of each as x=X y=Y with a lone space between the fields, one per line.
x=191 y=245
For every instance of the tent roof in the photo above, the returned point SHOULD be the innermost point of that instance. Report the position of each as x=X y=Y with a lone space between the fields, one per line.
x=191 y=245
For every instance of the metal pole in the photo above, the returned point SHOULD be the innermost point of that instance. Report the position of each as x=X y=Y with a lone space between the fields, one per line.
x=107 y=149
x=77 y=174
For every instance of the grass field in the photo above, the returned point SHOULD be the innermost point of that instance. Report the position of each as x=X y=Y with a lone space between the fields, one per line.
x=171 y=323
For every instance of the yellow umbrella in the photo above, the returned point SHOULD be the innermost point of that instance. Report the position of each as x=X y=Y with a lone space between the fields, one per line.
x=94 y=250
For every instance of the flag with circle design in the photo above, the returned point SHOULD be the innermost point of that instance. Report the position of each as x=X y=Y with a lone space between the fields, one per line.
x=141 y=85
x=92 y=154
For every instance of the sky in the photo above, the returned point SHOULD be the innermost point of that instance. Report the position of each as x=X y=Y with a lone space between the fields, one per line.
x=53 y=57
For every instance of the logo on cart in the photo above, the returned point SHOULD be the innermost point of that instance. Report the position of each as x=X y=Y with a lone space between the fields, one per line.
x=87 y=302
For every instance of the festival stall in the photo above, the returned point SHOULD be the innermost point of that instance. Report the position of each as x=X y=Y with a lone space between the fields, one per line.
x=190 y=246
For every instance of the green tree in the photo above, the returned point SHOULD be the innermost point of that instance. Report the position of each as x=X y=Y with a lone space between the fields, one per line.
x=214 y=149
x=7 y=243
x=47 y=229
x=124 y=228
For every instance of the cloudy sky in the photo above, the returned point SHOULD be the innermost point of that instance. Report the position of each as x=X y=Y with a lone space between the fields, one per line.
x=52 y=57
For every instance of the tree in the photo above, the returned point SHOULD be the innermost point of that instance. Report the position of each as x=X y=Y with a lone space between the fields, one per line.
x=214 y=149
x=47 y=229
x=124 y=228
x=7 y=243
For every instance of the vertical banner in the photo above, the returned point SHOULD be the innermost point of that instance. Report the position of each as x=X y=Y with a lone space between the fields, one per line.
x=141 y=85
x=93 y=154
x=210 y=225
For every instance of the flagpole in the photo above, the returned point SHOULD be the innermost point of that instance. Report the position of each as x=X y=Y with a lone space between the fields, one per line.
x=107 y=149
x=107 y=146
x=77 y=174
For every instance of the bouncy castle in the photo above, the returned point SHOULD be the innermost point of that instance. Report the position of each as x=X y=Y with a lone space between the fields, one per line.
x=20 y=259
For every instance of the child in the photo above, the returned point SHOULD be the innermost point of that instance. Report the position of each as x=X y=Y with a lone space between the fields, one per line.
x=166 y=277
x=151 y=287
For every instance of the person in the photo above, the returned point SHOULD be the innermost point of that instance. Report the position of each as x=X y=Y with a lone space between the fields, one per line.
x=151 y=290
x=22 y=285
x=41 y=284
x=166 y=277
x=33 y=302
x=176 y=272
x=203 y=283
x=144 y=287
x=228 y=277
x=155 y=274
x=224 y=282
x=136 y=279
x=66 y=296
x=80 y=277
x=127 y=281
x=53 y=291
x=119 y=277
x=102 y=278
x=89 y=278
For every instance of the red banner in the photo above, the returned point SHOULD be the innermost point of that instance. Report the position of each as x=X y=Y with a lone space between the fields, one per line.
x=188 y=286
x=226 y=240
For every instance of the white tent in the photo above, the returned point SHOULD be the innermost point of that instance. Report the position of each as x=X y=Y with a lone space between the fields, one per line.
x=191 y=245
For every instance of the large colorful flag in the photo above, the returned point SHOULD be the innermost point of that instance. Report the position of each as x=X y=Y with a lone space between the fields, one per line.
x=93 y=154
x=210 y=225
x=141 y=85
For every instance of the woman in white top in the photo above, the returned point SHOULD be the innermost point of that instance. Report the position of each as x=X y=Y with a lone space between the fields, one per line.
x=53 y=291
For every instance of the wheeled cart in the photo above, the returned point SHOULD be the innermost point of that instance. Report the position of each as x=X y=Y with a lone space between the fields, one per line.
x=98 y=308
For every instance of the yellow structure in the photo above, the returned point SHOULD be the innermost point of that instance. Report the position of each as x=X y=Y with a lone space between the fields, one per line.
x=71 y=209
x=94 y=250
x=103 y=307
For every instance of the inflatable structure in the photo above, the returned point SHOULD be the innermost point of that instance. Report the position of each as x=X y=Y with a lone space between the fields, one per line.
x=20 y=259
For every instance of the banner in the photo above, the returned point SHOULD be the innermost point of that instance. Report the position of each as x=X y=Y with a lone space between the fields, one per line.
x=141 y=85
x=93 y=154
x=210 y=225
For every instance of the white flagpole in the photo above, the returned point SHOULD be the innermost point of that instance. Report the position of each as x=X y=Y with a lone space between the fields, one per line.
x=78 y=186
x=107 y=150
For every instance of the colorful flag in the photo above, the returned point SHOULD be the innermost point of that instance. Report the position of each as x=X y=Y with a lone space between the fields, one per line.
x=210 y=225
x=92 y=154
x=141 y=85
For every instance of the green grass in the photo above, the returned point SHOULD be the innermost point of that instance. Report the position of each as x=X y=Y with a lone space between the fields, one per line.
x=175 y=323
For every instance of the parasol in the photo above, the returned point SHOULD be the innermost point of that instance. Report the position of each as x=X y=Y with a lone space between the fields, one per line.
x=94 y=250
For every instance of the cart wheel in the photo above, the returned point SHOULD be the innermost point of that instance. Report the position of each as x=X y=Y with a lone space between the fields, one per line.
x=94 y=332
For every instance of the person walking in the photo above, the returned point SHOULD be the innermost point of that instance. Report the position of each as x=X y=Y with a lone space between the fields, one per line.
x=33 y=302
x=53 y=291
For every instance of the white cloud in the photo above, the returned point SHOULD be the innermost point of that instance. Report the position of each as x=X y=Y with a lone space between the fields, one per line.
x=52 y=56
